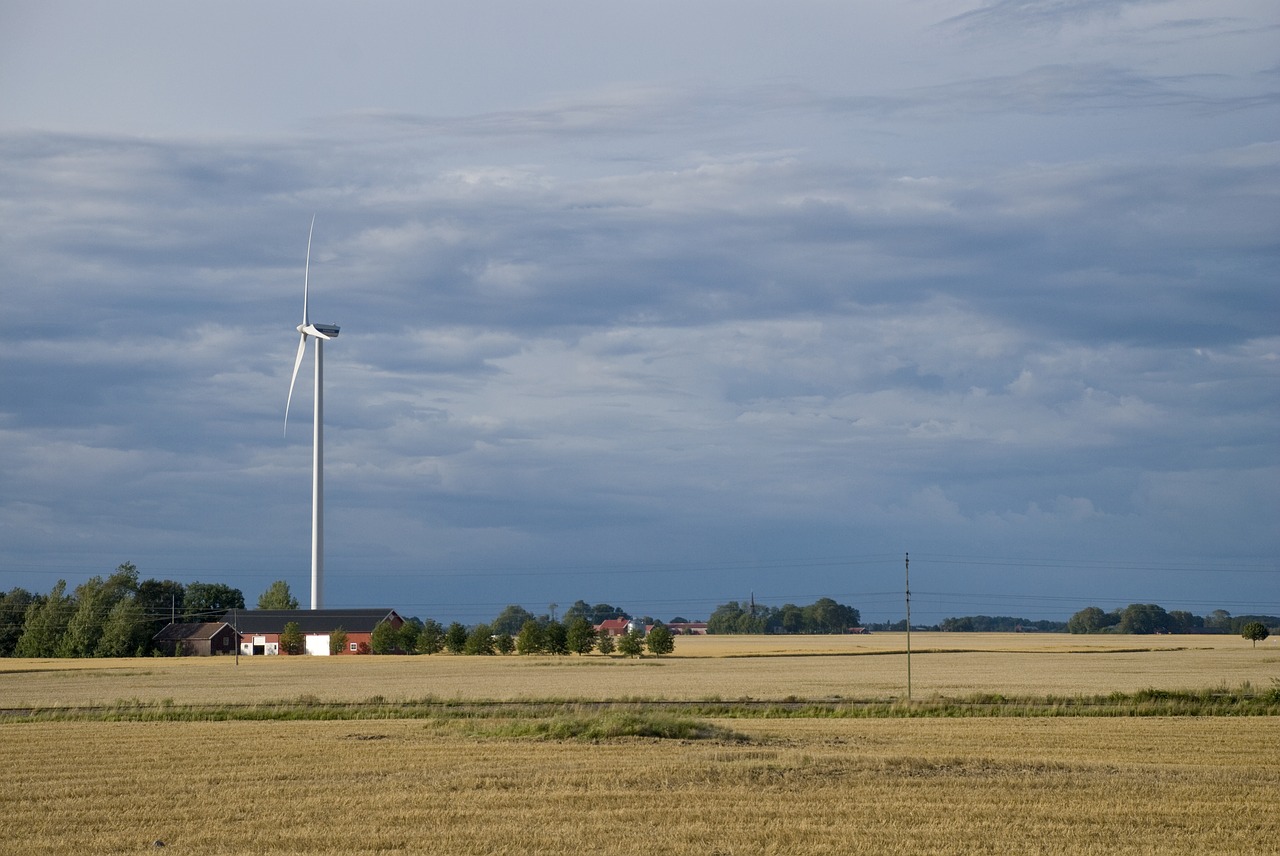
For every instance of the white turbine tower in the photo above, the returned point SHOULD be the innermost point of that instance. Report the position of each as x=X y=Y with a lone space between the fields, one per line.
x=319 y=332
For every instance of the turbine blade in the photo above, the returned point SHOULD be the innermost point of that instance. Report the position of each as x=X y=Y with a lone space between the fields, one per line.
x=306 y=272
x=297 y=363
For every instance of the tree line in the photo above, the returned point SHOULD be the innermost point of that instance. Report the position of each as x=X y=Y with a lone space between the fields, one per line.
x=115 y=616
x=822 y=616
x=536 y=635
x=118 y=616
x=1151 y=618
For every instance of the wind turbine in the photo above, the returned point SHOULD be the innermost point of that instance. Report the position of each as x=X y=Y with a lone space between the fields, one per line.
x=321 y=333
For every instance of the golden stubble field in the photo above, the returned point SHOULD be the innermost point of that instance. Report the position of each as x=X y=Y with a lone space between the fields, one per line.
x=721 y=668
x=1141 y=785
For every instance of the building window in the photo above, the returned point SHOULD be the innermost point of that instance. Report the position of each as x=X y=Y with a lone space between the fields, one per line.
x=354 y=648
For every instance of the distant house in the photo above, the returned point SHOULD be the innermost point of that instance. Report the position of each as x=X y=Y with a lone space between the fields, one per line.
x=688 y=628
x=614 y=626
x=260 y=629
x=196 y=640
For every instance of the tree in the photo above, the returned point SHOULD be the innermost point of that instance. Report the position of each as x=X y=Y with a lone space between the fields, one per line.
x=1143 y=618
x=210 y=601
x=384 y=638
x=1091 y=619
x=455 y=638
x=291 y=639
x=479 y=640
x=161 y=601
x=631 y=645
x=660 y=640
x=1255 y=631
x=556 y=639
x=126 y=632
x=581 y=636
x=532 y=639
x=46 y=623
x=407 y=636
x=94 y=599
x=505 y=643
x=338 y=640
x=430 y=637
x=511 y=619
x=13 y=617
x=277 y=596
x=604 y=643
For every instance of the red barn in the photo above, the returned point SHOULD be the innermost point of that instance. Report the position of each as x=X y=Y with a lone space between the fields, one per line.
x=259 y=629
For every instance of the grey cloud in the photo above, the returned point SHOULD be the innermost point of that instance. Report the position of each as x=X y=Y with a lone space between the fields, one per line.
x=1037 y=14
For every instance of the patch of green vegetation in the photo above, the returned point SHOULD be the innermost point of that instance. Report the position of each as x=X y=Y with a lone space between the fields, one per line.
x=606 y=725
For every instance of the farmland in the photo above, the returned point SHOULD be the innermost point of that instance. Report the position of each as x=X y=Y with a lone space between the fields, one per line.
x=473 y=784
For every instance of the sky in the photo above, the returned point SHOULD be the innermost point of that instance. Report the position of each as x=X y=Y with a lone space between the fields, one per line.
x=656 y=304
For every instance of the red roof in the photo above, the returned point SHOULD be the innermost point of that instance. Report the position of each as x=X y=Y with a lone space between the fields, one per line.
x=616 y=626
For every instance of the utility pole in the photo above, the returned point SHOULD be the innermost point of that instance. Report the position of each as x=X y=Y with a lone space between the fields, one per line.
x=907 y=569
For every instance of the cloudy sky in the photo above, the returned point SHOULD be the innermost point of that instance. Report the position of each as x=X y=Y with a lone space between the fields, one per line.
x=654 y=303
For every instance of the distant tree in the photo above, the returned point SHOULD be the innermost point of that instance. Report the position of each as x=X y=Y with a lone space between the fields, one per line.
x=532 y=638
x=126 y=632
x=791 y=618
x=291 y=639
x=161 y=601
x=631 y=645
x=94 y=599
x=1219 y=620
x=455 y=638
x=1142 y=618
x=578 y=609
x=1255 y=631
x=660 y=640
x=407 y=636
x=430 y=637
x=277 y=596
x=46 y=623
x=1091 y=619
x=511 y=619
x=479 y=640
x=338 y=640
x=725 y=618
x=679 y=619
x=605 y=643
x=209 y=601
x=504 y=643
x=556 y=639
x=1181 y=621
x=827 y=616
x=597 y=613
x=13 y=618
x=385 y=638
x=581 y=636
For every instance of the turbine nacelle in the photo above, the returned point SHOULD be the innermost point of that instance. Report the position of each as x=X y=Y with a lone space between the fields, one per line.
x=320 y=331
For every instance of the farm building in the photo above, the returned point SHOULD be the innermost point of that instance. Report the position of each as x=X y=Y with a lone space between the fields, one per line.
x=614 y=626
x=688 y=628
x=260 y=629
x=196 y=640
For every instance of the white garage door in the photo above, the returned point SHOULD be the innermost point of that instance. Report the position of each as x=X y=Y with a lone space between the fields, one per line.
x=318 y=645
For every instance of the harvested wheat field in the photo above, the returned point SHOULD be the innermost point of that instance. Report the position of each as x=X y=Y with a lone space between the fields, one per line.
x=709 y=667
x=1134 y=785
x=206 y=756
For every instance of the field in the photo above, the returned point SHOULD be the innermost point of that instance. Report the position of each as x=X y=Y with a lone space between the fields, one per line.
x=477 y=782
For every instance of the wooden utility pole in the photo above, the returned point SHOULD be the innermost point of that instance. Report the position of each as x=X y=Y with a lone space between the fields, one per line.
x=907 y=559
